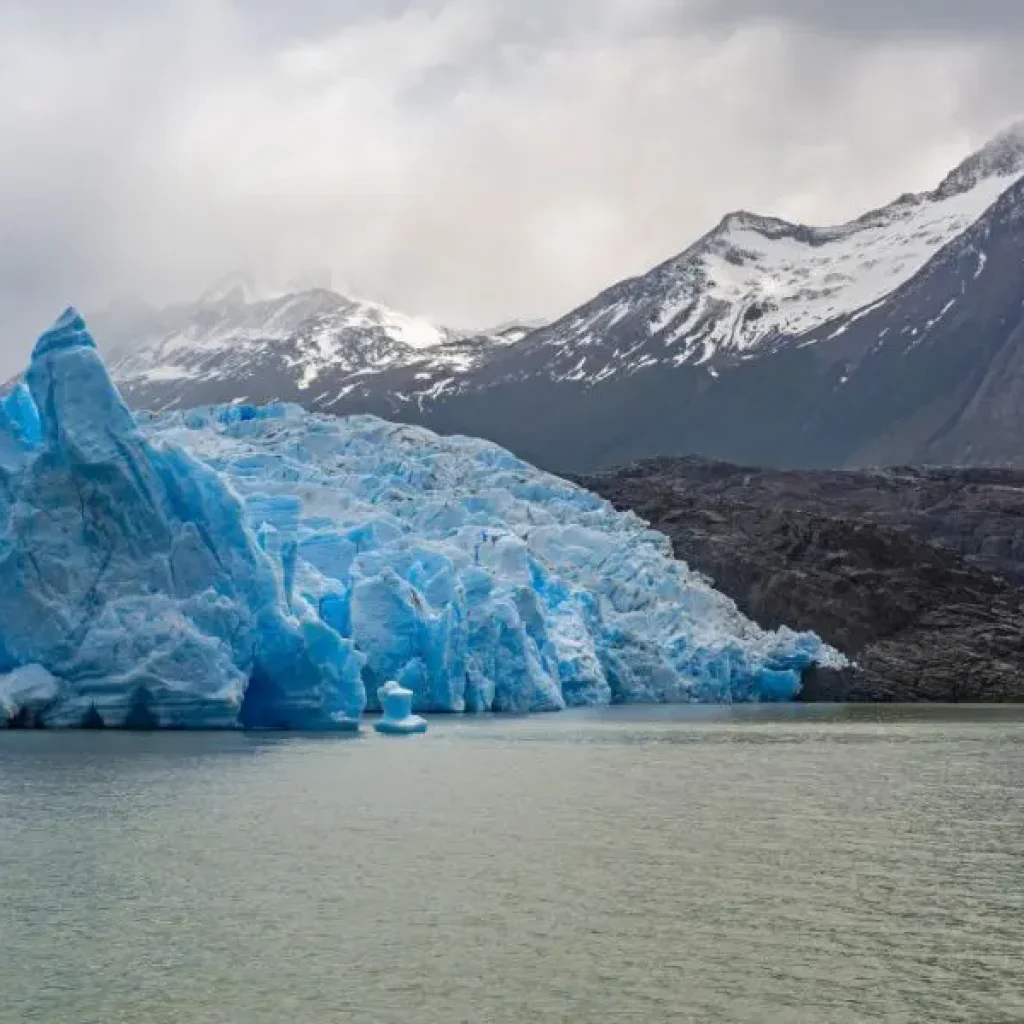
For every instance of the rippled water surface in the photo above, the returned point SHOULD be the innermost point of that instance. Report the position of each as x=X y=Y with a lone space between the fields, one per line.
x=816 y=864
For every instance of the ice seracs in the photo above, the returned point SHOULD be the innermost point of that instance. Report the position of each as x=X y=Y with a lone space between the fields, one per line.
x=128 y=573
x=397 y=718
x=475 y=580
x=267 y=568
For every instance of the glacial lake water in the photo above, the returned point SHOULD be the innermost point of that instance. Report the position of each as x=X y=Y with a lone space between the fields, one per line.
x=821 y=864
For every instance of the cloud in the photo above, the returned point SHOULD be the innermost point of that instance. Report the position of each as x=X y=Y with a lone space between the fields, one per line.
x=471 y=160
x=922 y=19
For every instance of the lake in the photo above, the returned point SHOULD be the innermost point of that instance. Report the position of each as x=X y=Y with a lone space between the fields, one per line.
x=778 y=864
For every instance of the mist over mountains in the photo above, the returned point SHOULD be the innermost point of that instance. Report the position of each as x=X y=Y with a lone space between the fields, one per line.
x=894 y=338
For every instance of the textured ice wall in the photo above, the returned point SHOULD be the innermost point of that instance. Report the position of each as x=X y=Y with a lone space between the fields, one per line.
x=476 y=580
x=128 y=573
x=267 y=567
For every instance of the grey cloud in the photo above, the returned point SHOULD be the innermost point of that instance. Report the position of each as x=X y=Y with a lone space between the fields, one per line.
x=471 y=160
x=922 y=19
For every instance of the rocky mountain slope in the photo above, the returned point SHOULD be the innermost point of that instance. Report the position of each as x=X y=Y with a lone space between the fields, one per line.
x=892 y=338
x=978 y=514
x=860 y=559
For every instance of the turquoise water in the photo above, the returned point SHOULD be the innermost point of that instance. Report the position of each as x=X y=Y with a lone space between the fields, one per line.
x=791 y=865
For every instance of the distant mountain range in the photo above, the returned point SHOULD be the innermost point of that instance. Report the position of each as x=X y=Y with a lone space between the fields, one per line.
x=895 y=338
x=315 y=347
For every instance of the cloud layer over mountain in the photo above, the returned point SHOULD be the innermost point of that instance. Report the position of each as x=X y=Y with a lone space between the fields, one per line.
x=469 y=160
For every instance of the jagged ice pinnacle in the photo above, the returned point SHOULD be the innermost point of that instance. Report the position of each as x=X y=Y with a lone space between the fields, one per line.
x=235 y=566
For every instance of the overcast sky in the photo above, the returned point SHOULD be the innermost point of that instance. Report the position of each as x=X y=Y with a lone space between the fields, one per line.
x=469 y=160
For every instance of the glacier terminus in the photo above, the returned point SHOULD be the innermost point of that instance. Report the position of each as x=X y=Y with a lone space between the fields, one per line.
x=245 y=567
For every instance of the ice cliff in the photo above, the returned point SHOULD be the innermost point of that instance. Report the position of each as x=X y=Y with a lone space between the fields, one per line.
x=236 y=566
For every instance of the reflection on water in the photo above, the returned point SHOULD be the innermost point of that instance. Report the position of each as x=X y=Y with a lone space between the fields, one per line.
x=761 y=864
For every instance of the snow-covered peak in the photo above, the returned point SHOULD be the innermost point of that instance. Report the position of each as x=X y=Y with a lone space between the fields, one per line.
x=1001 y=158
x=296 y=340
x=239 y=298
x=783 y=279
x=755 y=281
x=744 y=220
x=416 y=332
x=512 y=331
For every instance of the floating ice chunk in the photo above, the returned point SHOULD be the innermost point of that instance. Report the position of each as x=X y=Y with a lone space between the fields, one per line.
x=397 y=718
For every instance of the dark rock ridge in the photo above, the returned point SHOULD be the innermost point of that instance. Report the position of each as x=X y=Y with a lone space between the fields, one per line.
x=975 y=513
x=859 y=559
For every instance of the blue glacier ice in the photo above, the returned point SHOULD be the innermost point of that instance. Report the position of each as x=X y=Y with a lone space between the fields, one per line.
x=397 y=718
x=128 y=572
x=269 y=568
x=26 y=693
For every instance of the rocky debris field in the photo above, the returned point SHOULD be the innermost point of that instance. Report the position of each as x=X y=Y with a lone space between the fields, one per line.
x=915 y=574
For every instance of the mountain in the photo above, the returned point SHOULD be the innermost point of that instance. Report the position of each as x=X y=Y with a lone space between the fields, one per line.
x=931 y=373
x=754 y=281
x=892 y=338
x=314 y=347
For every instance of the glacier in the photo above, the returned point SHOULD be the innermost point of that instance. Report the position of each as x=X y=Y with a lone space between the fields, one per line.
x=244 y=567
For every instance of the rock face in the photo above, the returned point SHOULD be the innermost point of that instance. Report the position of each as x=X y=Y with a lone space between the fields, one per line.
x=847 y=555
x=976 y=513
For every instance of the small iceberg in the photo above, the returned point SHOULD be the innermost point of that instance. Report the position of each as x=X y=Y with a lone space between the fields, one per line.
x=398 y=719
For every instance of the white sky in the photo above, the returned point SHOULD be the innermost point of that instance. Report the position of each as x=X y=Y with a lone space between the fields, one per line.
x=472 y=160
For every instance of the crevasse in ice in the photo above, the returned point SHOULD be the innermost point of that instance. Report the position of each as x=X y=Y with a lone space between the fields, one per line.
x=236 y=566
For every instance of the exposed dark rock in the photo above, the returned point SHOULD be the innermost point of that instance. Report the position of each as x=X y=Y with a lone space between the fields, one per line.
x=977 y=513
x=823 y=551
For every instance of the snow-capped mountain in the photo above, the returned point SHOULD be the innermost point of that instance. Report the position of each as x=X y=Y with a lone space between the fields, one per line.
x=763 y=341
x=313 y=346
x=756 y=282
x=784 y=344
